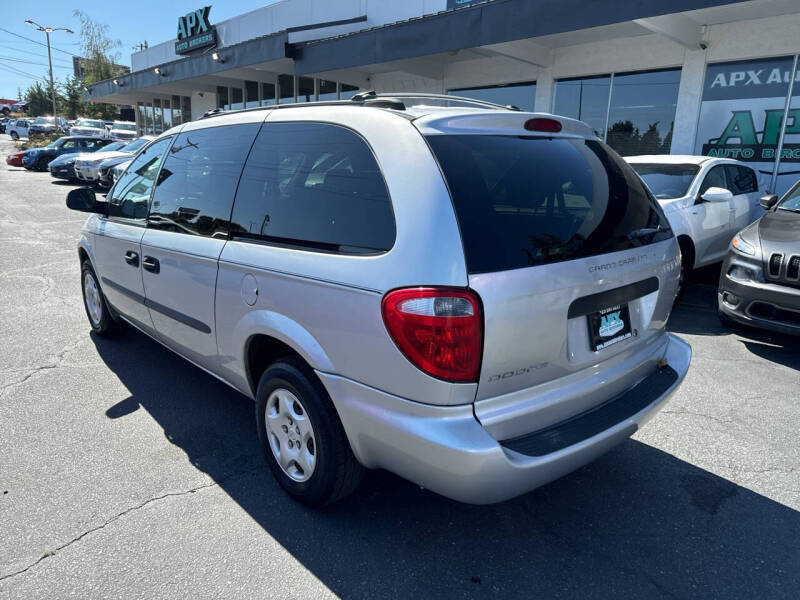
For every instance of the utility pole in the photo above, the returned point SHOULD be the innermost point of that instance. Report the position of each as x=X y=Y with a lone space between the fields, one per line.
x=48 y=31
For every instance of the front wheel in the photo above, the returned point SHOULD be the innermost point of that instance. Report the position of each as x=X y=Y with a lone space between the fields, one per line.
x=42 y=163
x=100 y=318
x=14 y=136
x=303 y=440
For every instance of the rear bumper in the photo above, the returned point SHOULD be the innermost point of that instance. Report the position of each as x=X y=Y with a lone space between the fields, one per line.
x=446 y=449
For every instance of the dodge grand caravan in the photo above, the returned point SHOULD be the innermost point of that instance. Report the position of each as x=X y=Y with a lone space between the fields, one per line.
x=469 y=296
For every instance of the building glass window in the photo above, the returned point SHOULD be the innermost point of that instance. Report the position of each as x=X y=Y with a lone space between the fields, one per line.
x=141 y=118
x=742 y=115
x=158 y=116
x=305 y=89
x=585 y=99
x=237 y=98
x=149 y=119
x=327 y=90
x=176 y=110
x=642 y=112
x=286 y=88
x=347 y=91
x=521 y=95
x=267 y=94
x=222 y=98
x=251 y=94
x=167 y=114
x=186 y=109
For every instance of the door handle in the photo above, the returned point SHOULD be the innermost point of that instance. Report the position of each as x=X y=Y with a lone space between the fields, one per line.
x=151 y=264
x=132 y=258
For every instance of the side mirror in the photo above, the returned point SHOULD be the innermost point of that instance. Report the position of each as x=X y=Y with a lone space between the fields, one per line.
x=717 y=194
x=768 y=201
x=84 y=200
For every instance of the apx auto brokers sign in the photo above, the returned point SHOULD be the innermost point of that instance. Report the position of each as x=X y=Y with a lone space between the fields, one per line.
x=194 y=31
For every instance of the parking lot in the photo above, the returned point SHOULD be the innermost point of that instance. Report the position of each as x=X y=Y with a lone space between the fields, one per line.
x=127 y=472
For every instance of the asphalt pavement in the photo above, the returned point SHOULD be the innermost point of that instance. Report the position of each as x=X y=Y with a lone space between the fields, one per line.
x=125 y=472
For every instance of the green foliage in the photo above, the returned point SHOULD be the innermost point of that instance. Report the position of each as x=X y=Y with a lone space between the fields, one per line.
x=72 y=104
x=39 y=99
x=626 y=139
x=37 y=141
x=97 y=49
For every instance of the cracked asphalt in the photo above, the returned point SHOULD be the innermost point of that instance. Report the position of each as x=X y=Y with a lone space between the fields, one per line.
x=125 y=472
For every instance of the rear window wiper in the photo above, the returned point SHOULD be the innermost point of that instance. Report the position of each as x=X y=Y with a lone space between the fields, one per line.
x=644 y=232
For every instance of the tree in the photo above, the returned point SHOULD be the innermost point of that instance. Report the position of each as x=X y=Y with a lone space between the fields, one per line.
x=39 y=100
x=73 y=104
x=99 y=60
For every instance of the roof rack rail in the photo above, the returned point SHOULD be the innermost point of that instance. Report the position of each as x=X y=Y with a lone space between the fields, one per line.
x=394 y=101
x=372 y=96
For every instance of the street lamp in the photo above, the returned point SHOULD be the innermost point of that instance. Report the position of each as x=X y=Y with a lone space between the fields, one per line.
x=48 y=31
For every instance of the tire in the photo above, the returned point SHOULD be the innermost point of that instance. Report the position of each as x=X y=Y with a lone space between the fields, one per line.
x=326 y=469
x=42 y=163
x=100 y=317
x=14 y=135
x=687 y=266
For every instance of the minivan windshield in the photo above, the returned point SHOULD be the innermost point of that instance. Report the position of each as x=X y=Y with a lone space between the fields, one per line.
x=523 y=201
x=667 y=181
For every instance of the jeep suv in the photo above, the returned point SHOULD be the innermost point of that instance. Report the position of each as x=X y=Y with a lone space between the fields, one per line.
x=469 y=296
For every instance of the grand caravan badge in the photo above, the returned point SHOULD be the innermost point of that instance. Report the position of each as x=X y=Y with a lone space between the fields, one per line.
x=611 y=324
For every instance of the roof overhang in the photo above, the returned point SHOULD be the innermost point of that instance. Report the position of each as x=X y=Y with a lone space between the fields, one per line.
x=260 y=50
x=478 y=25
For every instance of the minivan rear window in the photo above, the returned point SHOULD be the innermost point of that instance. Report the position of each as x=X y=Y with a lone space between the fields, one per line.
x=523 y=201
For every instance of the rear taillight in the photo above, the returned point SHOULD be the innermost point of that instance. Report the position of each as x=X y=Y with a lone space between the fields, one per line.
x=543 y=124
x=440 y=330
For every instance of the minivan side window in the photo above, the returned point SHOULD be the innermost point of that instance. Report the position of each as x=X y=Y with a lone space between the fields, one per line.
x=195 y=189
x=316 y=186
x=131 y=193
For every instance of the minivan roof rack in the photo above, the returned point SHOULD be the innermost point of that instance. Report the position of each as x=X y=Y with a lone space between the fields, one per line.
x=394 y=101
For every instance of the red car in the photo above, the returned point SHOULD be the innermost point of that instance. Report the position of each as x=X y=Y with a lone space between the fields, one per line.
x=15 y=160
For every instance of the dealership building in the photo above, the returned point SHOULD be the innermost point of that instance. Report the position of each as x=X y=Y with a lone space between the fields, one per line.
x=712 y=77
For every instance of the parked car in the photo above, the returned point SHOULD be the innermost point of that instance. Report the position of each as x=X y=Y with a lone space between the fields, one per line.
x=759 y=284
x=88 y=166
x=63 y=167
x=15 y=159
x=20 y=106
x=115 y=172
x=38 y=158
x=3 y=122
x=48 y=125
x=5 y=109
x=89 y=128
x=472 y=299
x=18 y=128
x=706 y=200
x=123 y=130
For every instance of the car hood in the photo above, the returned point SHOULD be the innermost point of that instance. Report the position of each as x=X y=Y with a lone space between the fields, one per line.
x=778 y=228
x=106 y=155
x=65 y=158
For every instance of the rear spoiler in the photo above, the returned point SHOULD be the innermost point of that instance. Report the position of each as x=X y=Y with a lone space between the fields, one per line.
x=501 y=122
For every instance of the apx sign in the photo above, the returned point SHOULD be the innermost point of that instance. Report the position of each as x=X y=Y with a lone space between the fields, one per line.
x=194 y=31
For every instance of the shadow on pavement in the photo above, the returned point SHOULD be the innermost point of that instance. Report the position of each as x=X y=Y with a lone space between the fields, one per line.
x=636 y=523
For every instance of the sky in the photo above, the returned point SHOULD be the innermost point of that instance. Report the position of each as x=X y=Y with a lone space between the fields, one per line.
x=23 y=61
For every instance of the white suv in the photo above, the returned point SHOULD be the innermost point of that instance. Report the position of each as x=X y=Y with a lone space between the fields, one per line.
x=706 y=200
x=472 y=298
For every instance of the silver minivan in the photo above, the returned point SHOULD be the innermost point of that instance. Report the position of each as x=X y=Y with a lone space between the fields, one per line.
x=469 y=296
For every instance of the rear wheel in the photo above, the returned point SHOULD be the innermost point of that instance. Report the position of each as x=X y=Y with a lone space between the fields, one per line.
x=100 y=317
x=303 y=440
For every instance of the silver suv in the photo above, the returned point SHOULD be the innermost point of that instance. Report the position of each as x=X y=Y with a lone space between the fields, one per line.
x=469 y=296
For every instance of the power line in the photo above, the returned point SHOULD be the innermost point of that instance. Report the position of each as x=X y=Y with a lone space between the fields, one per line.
x=62 y=61
x=35 y=42
x=30 y=62
x=16 y=71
